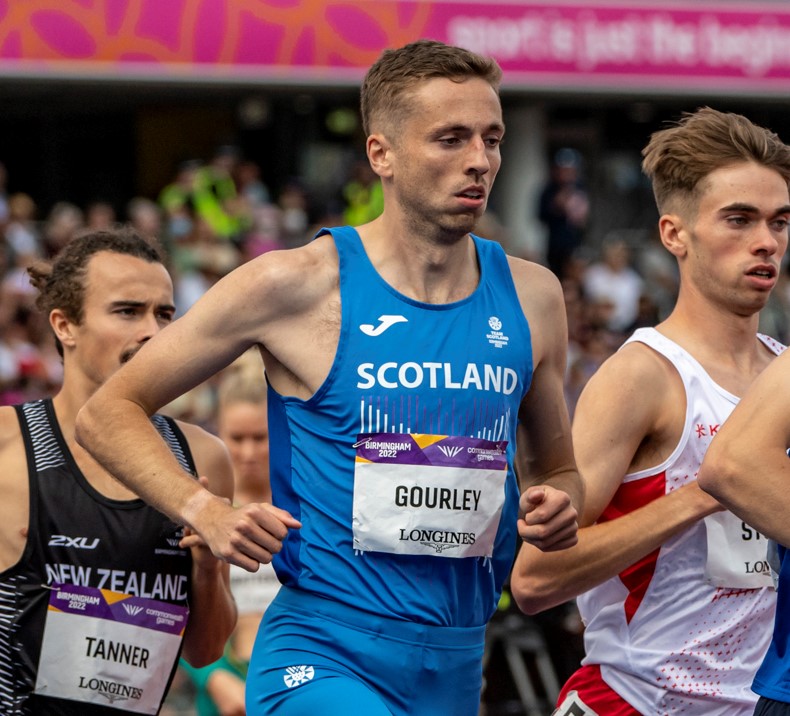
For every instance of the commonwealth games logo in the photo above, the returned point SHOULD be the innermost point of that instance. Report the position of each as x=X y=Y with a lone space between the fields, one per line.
x=297 y=675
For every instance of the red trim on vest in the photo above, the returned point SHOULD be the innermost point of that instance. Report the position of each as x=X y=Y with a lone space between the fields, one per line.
x=629 y=497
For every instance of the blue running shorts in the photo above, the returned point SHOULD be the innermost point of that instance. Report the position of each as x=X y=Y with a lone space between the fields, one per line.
x=317 y=657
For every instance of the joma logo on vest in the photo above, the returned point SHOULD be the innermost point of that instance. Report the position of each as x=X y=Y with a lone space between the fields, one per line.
x=493 y=378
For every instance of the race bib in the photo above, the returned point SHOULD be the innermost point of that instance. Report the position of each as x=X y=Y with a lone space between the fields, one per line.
x=434 y=495
x=736 y=554
x=108 y=648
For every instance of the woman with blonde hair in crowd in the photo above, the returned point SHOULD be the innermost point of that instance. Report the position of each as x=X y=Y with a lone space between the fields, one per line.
x=242 y=424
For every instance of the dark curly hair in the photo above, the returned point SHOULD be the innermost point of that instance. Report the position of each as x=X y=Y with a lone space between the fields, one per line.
x=61 y=282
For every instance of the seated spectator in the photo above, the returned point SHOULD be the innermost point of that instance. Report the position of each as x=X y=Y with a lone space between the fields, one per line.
x=100 y=215
x=612 y=279
x=21 y=232
x=249 y=185
x=145 y=216
x=295 y=222
x=64 y=222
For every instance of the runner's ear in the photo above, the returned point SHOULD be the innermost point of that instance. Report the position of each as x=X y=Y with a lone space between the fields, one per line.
x=62 y=326
x=379 y=154
x=673 y=234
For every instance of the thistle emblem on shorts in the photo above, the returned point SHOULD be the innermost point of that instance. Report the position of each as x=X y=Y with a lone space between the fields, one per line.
x=297 y=675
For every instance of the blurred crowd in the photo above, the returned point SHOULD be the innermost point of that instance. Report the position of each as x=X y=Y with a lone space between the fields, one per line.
x=217 y=213
x=626 y=282
x=213 y=215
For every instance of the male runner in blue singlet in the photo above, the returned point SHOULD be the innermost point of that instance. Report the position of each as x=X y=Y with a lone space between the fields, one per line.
x=401 y=372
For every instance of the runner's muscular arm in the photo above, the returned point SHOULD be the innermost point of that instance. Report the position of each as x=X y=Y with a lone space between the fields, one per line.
x=746 y=466
x=14 y=507
x=212 y=609
x=248 y=306
x=622 y=404
x=553 y=494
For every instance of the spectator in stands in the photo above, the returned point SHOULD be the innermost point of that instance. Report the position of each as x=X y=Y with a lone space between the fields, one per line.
x=613 y=280
x=243 y=426
x=564 y=208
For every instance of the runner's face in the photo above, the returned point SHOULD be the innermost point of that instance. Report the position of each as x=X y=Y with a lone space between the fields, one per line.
x=739 y=236
x=445 y=155
x=127 y=301
x=244 y=428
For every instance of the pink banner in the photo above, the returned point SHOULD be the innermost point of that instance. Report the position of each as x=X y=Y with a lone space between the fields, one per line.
x=722 y=46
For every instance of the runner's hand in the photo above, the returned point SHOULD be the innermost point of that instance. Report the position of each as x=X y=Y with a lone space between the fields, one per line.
x=548 y=519
x=246 y=536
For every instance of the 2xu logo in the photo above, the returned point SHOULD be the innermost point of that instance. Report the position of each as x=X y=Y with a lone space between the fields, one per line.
x=75 y=542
